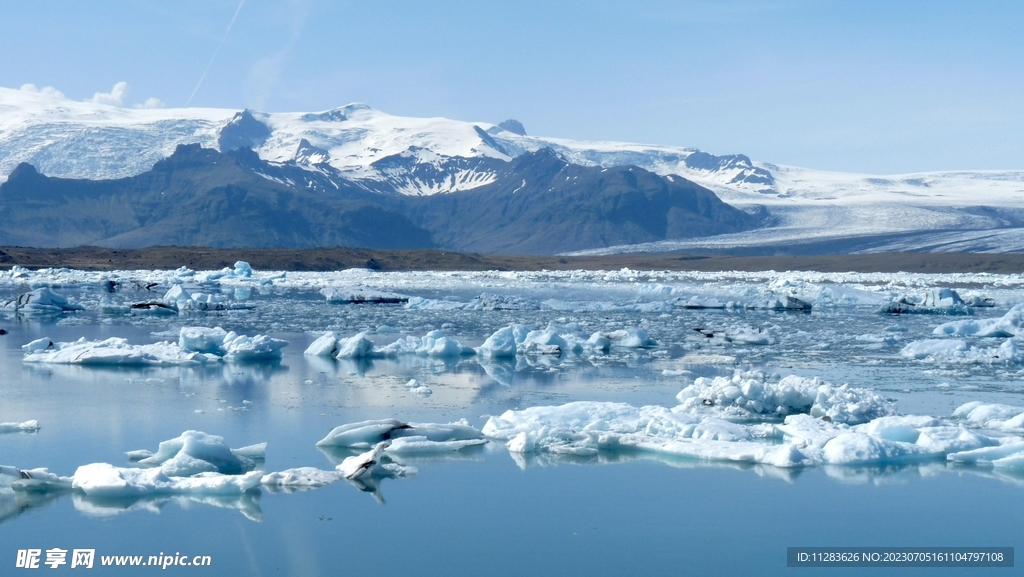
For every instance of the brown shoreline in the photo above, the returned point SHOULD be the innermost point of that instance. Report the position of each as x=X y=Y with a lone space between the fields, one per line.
x=337 y=258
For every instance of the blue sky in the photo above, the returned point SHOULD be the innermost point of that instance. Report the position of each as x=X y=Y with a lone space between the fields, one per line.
x=881 y=87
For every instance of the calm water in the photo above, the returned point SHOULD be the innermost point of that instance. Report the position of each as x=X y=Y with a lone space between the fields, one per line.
x=483 y=512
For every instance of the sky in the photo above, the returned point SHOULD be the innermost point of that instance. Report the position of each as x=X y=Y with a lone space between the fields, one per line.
x=873 y=87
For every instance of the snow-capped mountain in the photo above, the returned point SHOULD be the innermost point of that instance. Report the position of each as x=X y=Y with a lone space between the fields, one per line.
x=428 y=156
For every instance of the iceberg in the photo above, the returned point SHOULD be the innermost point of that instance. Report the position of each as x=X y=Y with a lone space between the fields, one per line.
x=106 y=480
x=942 y=301
x=195 y=452
x=179 y=299
x=418 y=388
x=993 y=417
x=422 y=437
x=41 y=301
x=196 y=345
x=109 y=352
x=958 y=351
x=361 y=295
x=23 y=427
x=37 y=480
x=301 y=478
x=1009 y=325
x=229 y=345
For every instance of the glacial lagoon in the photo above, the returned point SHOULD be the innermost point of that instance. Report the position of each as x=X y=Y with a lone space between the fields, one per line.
x=623 y=472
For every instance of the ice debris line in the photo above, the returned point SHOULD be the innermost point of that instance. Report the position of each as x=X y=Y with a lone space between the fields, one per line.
x=795 y=422
x=199 y=463
x=509 y=341
x=196 y=345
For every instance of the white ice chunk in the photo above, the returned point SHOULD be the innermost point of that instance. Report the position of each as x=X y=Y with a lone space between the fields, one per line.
x=194 y=452
x=202 y=339
x=433 y=344
x=361 y=295
x=748 y=336
x=418 y=388
x=32 y=479
x=112 y=351
x=230 y=345
x=301 y=477
x=41 y=301
x=958 y=351
x=245 y=348
x=106 y=480
x=23 y=427
x=324 y=346
x=631 y=338
x=741 y=398
x=990 y=416
x=1009 y=325
x=366 y=434
x=501 y=344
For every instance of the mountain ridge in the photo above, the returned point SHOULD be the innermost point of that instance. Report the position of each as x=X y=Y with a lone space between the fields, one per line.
x=199 y=196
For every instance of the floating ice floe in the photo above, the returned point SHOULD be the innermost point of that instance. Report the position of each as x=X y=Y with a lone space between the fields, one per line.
x=181 y=300
x=748 y=336
x=701 y=302
x=229 y=345
x=959 y=351
x=588 y=428
x=361 y=295
x=32 y=479
x=301 y=478
x=433 y=344
x=773 y=302
x=404 y=437
x=418 y=388
x=503 y=302
x=106 y=480
x=557 y=339
x=196 y=452
x=196 y=345
x=41 y=301
x=1009 y=325
x=112 y=351
x=23 y=427
x=942 y=301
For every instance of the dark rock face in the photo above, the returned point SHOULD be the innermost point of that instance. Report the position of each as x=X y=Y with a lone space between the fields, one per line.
x=514 y=126
x=538 y=203
x=242 y=131
x=543 y=204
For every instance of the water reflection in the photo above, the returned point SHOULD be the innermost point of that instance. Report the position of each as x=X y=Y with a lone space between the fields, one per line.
x=14 y=503
x=247 y=504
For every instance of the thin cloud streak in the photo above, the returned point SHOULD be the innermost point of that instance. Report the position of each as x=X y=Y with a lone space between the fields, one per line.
x=215 y=52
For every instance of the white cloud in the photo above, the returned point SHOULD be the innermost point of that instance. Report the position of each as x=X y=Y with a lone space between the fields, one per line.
x=113 y=98
x=47 y=90
x=151 y=102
